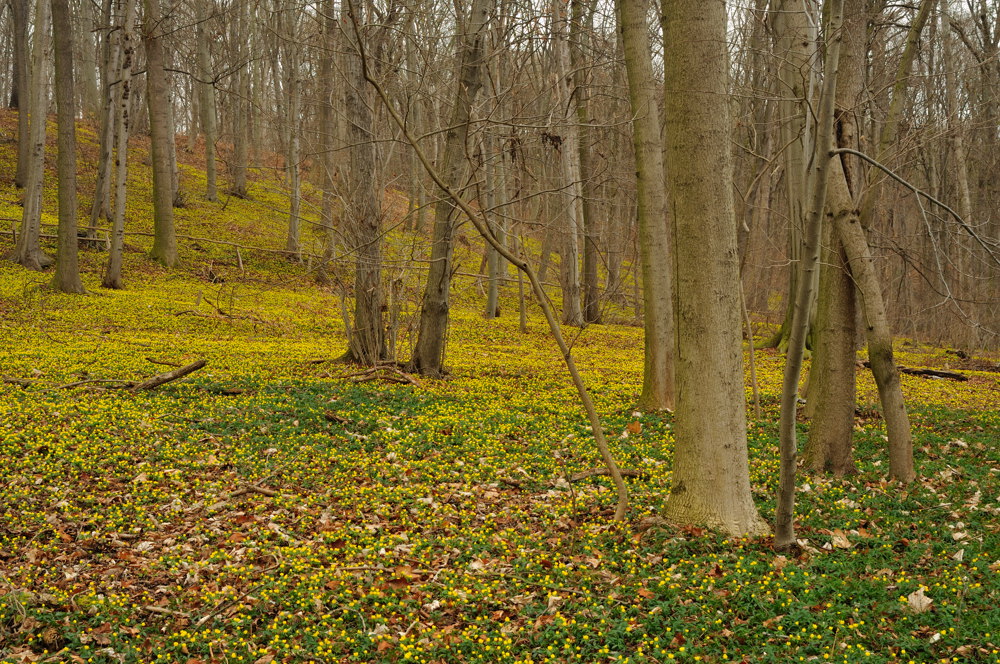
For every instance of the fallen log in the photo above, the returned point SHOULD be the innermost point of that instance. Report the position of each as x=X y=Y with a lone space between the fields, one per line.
x=167 y=376
x=927 y=373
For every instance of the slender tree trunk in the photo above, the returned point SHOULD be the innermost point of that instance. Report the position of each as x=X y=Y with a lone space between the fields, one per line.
x=102 y=190
x=784 y=528
x=206 y=88
x=67 y=276
x=711 y=478
x=580 y=29
x=294 y=124
x=28 y=248
x=569 y=150
x=831 y=398
x=658 y=315
x=363 y=211
x=851 y=229
x=22 y=87
x=157 y=99
x=126 y=46
x=796 y=40
x=240 y=108
x=880 y=353
x=428 y=354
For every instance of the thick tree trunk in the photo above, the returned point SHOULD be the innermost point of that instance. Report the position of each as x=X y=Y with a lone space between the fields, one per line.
x=240 y=112
x=428 y=354
x=658 y=316
x=711 y=479
x=126 y=45
x=157 y=98
x=67 y=276
x=28 y=248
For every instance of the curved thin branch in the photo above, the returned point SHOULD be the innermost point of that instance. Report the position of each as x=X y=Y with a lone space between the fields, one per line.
x=920 y=192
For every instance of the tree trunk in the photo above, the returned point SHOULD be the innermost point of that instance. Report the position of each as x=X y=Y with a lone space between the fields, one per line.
x=580 y=29
x=795 y=43
x=784 y=528
x=21 y=88
x=126 y=46
x=102 y=189
x=569 y=150
x=831 y=398
x=206 y=87
x=240 y=111
x=428 y=354
x=67 y=276
x=711 y=478
x=654 y=247
x=157 y=99
x=292 y=241
x=897 y=422
x=363 y=211
x=28 y=248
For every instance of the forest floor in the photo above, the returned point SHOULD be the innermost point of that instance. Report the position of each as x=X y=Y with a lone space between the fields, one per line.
x=278 y=506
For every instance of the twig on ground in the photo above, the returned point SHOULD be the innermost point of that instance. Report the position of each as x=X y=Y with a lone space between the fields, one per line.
x=585 y=474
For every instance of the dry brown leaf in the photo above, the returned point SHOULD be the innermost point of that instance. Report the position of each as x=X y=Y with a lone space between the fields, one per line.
x=839 y=540
x=918 y=602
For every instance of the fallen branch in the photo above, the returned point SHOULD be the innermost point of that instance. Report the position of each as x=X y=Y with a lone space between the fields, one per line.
x=119 y=384
x=585 y=474
x=163 y=362
x=168 y=376
x=166 y=612
x=22 y=382
x=242 y=491
x=928 y=373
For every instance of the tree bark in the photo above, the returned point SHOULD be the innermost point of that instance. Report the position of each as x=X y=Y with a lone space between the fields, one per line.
x=67 y=276
x=206 y=87
x=126 y=46
x=795 y=43
x=157 y=98
x=580 y=29
x=21 y=88
x=831 y=398
x=784 y=527
x=428 y=354
x=28 y=248
x=569 y=151
x=711 y=479
x=363 y=211
x=657 y=290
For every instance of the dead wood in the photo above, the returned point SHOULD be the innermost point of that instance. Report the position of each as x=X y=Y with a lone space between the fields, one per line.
x=22 y=382
x=167 y=376
x=585 y=474
x=166 y=363
x=928 y=373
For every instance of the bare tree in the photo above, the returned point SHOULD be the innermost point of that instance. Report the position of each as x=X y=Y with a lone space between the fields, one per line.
x=428 y=354
x=711 y=479
x=658 y=372
x=67 y=276
x=27 y=248
x=160 y=125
